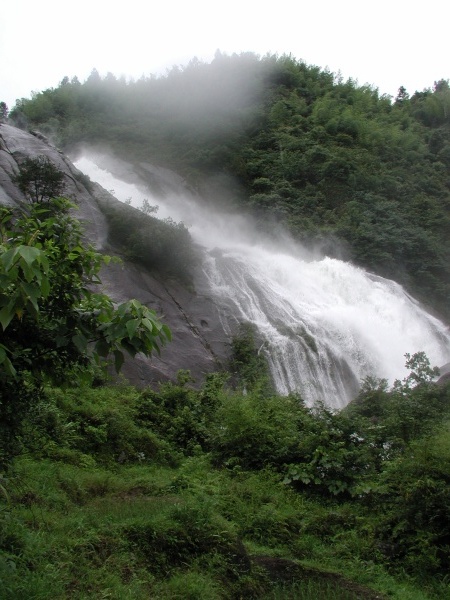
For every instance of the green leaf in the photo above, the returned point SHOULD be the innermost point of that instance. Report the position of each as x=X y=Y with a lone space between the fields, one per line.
x=29 y=254
x=152 y=325
x=33 y=293
x=45 y=287
x=80 y=342
x=8 y=258
x=166 y=331
x=6 y=363
x=118 y=360
x=131 y=326
x=6 y=316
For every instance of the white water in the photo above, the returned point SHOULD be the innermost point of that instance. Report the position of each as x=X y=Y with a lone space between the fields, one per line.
x=324 y=324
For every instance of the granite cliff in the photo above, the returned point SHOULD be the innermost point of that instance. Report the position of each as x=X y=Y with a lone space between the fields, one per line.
x=199 y=342
x=323 y=324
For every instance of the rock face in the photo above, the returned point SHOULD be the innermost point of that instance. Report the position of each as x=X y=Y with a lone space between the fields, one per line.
x=199 y=343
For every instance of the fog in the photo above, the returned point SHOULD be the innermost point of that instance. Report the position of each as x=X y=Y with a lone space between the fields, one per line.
x=323 y=324
x=386 y=46
x=211 y=226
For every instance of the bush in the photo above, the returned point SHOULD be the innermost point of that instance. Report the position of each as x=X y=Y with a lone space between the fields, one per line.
x=180 y=415
x=247 y=362
x=413 y=506
x=159 y=245
x=100 y=423
x=254 y=431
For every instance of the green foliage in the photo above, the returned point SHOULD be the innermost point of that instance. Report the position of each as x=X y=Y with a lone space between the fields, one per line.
x=322 y=155
x=159 y=245
x=118 y=496
x=185 y=533
x=421 y=372
x=103 y=424
x=413 y=497
x=255 y=430
x=409 y=410
x=182 y=415
x=54 y=325
x=247 y=361
x=39 y=180
x=332 y=457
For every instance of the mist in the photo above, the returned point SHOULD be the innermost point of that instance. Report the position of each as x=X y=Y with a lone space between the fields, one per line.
x=323 y=323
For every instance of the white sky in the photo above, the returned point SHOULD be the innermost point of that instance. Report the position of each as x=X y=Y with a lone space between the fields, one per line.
x=384 y=43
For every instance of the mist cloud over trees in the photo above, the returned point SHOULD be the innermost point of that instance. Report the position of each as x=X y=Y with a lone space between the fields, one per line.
x=323 y=156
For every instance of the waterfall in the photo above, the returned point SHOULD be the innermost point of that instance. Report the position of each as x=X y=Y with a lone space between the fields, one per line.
x=322 y=323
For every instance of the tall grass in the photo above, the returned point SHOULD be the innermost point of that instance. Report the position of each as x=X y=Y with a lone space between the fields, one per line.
x=86 y=515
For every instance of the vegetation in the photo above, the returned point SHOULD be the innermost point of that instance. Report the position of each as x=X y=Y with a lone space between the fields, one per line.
x=247 y=362
x=159 y=245
x=54 y=326
x=208 y=493
x=197 y=493
x=329 y=159
x=39 y=180
x=4 y=110
x=223 y=491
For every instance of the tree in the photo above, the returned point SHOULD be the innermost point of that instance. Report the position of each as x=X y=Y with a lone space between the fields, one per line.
x=441 y=86
x=402 y=95
x=3 y=110
x=39 y=179
x=94 y=78
x=55 y=328
x=421 y=373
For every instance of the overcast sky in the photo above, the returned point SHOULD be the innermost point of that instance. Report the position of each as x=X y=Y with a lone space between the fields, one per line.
x=386 y=43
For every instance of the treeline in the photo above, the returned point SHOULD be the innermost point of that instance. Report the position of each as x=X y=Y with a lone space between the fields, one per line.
x=326 y=157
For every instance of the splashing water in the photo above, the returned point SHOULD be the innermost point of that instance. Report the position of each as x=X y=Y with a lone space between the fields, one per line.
x=323 y=324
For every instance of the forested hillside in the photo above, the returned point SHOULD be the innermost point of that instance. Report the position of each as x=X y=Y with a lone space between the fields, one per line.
x=328 y=158
x=223 y=490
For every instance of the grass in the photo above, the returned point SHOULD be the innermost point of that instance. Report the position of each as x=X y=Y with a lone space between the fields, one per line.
x=137 y=532
x=187 y=528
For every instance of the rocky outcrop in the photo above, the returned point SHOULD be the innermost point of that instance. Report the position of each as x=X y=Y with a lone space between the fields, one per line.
x=199 y=343
x=15 y=146
x=444 y=374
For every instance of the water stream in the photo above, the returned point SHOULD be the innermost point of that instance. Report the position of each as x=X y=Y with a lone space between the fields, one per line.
x=323 y=323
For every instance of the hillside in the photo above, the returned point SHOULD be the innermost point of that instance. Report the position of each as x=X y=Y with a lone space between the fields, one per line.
x=191 y=478
x=362 y=175
x=200 y=344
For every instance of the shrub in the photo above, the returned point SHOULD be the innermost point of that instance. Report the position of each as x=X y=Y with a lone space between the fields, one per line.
x=413 y=505
x=39 y=180
x=253 y=431
x=159 y=245
x=181 y=415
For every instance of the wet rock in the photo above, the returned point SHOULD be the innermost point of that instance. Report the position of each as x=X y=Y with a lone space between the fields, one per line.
x=199 y=342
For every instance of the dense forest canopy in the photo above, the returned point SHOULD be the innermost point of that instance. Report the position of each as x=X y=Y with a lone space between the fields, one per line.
x=326 y=157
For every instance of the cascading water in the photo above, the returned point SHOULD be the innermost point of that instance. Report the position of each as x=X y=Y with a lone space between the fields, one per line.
x=323 y=324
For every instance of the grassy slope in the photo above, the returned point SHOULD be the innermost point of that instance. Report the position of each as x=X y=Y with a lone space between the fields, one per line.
x=125 y=494
x=180 y=494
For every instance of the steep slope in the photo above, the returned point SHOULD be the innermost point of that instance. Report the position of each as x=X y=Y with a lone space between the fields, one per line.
x=321 y=324
x=327 y=158
x=199 y=343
